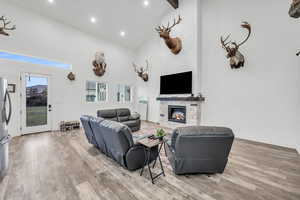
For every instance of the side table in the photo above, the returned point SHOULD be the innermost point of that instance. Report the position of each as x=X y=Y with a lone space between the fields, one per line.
x=149 y=144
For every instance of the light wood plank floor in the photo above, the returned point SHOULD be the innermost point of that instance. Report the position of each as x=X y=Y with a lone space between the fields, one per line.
x=64 y=166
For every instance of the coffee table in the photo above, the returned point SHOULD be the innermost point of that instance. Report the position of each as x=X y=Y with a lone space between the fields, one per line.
x=149 y=144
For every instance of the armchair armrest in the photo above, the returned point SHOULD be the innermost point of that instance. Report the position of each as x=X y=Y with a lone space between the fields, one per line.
x=135 y=157
x=134 y=116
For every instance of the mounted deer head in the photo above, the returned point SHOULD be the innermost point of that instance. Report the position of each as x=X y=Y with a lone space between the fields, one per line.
x=141 y=71
x=99 y=64
x=295 y=9
x=4 y=28
x=236 y=59
x=298 y=54
x=175 y=44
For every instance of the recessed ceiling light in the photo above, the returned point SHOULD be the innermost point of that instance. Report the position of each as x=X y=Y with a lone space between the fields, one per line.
x=146 y=3
x=122 y=33
x=51 y=1
x=93 y=20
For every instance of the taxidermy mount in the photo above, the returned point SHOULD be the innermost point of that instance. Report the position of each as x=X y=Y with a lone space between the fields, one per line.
x=235 y=57
x=141 y=71
x=99 y=64
x=5 y=28
x=71 y=76
x=298 y=53
x=175 y=44
x=295 y=9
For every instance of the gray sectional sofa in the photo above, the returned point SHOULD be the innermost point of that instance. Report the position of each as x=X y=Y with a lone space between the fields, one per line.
x=122 y=115
x=115 y=140
x=199 y=149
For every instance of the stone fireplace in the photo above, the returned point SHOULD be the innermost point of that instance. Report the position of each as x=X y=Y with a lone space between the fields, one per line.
x=179 y=111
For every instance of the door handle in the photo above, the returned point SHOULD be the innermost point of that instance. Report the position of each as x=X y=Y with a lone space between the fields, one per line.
x=49 y=107
x=7 y=118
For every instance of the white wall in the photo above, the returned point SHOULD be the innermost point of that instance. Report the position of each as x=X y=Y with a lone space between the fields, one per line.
x=261 y=101
x=163 y=62
x=42 y=37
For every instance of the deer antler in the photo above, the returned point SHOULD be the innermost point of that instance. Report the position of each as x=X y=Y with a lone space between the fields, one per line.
x=169 y=28
x=135 y=67
x=5 y=24
x=224 y=42
x=147 y=67
x=247 y=26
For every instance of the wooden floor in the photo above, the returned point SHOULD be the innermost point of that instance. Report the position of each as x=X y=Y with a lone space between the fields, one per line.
x=64 y=166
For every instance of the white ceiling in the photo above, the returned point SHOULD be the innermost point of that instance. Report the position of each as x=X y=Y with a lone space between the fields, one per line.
x=112 y=16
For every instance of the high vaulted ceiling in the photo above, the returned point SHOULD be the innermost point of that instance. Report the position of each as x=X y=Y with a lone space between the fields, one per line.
x=113 y=16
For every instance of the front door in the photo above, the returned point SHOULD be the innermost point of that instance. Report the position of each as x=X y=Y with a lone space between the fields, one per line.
x=35 y=103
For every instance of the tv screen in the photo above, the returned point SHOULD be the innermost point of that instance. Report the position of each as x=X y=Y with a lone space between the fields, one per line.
x=176 y=83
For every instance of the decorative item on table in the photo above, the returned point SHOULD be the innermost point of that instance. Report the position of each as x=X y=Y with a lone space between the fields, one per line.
x=174 y=44
x=235 y=57
x=160 y=134
x=11 y=88
x=71 y=76
x=5 y=28
x=295 y=9
x=99 y=64
x=143 y=72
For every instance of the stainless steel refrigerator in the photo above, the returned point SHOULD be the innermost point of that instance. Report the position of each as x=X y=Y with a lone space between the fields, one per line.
x=5 y=114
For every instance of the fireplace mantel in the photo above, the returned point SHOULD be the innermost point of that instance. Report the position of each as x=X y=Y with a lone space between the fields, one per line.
x=180 y=98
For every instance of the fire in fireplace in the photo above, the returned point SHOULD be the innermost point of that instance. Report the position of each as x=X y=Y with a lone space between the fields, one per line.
x=177 y=114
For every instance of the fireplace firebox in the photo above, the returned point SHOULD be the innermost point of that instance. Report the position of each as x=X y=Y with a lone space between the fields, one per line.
x=177 y=114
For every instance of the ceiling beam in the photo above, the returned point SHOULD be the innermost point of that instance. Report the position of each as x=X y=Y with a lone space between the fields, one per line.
x=174 y=3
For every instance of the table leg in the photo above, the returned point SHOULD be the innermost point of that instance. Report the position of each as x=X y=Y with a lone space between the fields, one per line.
x=158 y=154
x=145 y=163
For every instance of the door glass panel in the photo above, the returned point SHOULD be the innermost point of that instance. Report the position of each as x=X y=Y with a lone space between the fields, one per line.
x=36 y=101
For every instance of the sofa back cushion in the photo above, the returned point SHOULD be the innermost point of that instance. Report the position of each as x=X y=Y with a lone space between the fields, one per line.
x=110 y=114
x=123 y=114
x=202 y=142
x=85 y=121
x=118 y=139
x=95 y=125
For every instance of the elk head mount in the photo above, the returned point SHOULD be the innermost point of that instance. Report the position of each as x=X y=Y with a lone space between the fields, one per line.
x=5 y=28
x=295 y=9
x=175 y=44
x=142 y=72
x=99 y=64
x=235 y=57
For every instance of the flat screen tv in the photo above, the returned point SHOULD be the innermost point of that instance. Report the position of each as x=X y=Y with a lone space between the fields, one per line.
x=176 y=83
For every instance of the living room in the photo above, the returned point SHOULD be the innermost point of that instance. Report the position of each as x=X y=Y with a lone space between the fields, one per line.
x=101 y=55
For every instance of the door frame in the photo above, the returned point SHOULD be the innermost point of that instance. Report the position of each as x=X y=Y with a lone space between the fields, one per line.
x=36 y=129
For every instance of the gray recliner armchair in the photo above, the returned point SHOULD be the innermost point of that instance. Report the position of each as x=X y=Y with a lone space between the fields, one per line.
x=115 y=140
x=199 y=149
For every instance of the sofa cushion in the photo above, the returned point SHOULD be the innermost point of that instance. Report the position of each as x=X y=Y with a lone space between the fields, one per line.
x=118 y=140
x=110 y=114
x=123 y=114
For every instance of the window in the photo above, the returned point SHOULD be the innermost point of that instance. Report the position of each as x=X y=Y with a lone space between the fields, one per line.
x=123 y=93
x=33 y=60
x=127 y=93
x=96 y=92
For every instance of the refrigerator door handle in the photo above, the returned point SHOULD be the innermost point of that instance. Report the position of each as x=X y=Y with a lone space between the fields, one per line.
x=7 y=96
